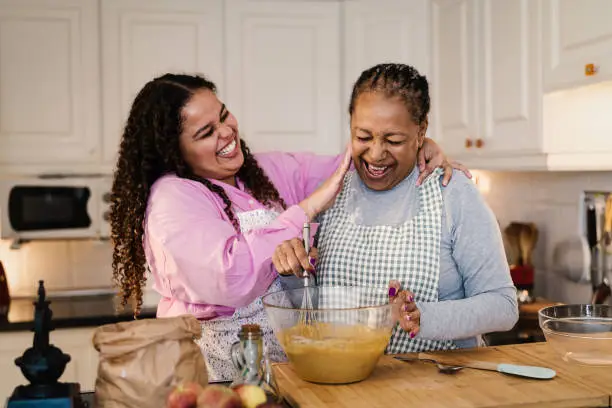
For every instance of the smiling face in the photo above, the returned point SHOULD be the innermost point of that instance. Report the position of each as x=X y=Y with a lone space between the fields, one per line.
x=385 y=139
x=209 y=140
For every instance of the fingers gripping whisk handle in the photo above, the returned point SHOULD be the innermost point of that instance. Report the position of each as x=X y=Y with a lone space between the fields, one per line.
x=306 y=239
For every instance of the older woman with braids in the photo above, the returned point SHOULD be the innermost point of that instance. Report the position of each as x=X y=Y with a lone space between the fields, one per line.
x=439 y=246
x=204 y=214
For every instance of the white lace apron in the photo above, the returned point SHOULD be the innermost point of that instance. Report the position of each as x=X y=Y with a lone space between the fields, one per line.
x=361 y=255
x=219 y=334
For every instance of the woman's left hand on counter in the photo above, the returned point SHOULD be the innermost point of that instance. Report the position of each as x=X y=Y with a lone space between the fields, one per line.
x=430 y=156
x=404 y=309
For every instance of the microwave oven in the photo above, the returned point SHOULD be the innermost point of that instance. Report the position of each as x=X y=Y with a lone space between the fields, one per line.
x=55 y=207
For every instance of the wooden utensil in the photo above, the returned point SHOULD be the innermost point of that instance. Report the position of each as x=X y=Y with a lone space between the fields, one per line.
x=512 y=233
x=527 y=240
x=608 y=220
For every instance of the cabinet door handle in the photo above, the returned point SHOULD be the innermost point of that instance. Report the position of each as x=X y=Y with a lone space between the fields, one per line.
x=468 y=143
x=479 y=143
x=590 y=69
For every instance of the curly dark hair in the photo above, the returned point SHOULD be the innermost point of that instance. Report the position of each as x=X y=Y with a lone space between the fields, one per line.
x=396 y=80
x=149 y=149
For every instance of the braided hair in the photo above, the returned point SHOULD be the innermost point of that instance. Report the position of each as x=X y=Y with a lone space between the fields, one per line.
x=396 y=80
x=149 y=149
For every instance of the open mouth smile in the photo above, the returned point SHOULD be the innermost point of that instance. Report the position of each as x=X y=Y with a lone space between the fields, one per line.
x=229 y=150
x=375 y=172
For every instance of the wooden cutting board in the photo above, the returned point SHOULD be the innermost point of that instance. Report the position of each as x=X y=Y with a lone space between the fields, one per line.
x=419 y=384
x=542 y=354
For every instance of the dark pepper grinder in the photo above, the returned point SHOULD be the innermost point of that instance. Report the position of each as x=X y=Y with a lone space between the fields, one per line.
x=43 y=364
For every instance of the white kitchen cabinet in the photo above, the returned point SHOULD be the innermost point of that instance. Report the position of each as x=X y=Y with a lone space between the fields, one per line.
x=142 y=39
x=70 y=69
x=378 y=31
x=49 y=83
x=454 y=92
x=577 y=128
x=509 y=66
x=486 y=88
x=82 y=368
x=577 y=33
x=283 y=62
x=490 y=106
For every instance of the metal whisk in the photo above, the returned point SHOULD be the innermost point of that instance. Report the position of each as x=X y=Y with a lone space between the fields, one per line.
x=307 y=315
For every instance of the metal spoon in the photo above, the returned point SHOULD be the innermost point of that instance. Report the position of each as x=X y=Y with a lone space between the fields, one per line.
x=448 y=369
x=443 y=368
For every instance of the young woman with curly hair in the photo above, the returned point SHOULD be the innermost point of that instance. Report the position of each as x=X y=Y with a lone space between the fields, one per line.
x=204 y=215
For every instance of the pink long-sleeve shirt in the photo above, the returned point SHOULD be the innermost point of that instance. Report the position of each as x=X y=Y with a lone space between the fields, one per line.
x=199 y=263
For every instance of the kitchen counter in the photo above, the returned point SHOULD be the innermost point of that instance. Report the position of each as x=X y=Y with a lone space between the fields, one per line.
x=70 y=312
x=419 y=383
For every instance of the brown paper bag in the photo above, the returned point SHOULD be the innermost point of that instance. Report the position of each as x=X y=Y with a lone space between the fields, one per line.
x=142 y=360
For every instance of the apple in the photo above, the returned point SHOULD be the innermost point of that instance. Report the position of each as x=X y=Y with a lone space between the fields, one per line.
x=251 y=395
x=184 y=395
x=218 y=396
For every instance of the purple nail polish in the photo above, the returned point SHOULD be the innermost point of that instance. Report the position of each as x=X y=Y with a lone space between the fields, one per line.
x=407 y=317
x=392 y=292
x=405 y=307
x=411 y=299
x=312 y=261
x=412 y=335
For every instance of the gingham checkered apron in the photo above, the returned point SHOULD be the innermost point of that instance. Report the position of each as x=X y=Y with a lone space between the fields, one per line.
x=219 y=334
x=361 y=255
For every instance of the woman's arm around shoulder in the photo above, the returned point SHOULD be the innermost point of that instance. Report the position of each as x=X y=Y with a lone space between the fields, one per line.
x=297 y=175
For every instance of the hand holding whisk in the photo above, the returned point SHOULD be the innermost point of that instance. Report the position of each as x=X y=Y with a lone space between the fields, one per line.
x=291 y=257
x=306 y=239
x=307 y=316
x=294 y=257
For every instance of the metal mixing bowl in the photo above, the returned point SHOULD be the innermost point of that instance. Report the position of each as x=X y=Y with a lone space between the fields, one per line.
x=580 y=333
x=340 y=338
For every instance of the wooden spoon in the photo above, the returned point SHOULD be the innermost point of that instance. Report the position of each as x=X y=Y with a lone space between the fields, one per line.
x=527 y=240
x=608 y=221
x=512 y=233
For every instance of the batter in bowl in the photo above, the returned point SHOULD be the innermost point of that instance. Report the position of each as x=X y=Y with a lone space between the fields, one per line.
x=332 y=353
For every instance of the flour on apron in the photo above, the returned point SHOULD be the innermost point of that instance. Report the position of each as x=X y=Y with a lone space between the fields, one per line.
x=219 y=334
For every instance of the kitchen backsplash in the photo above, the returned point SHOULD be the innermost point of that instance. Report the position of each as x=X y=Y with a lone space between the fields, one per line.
x=550 y=200
x=64 y=265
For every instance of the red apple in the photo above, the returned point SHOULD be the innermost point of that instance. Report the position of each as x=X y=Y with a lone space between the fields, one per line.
x=218 y=396
x=251 y=395
x=184 y=395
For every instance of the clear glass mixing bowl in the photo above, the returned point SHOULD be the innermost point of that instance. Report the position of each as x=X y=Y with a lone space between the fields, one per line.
x=580 y=333
x=339 y=337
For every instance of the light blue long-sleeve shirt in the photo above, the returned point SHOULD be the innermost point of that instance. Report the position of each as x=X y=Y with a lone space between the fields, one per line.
x=476 y=293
